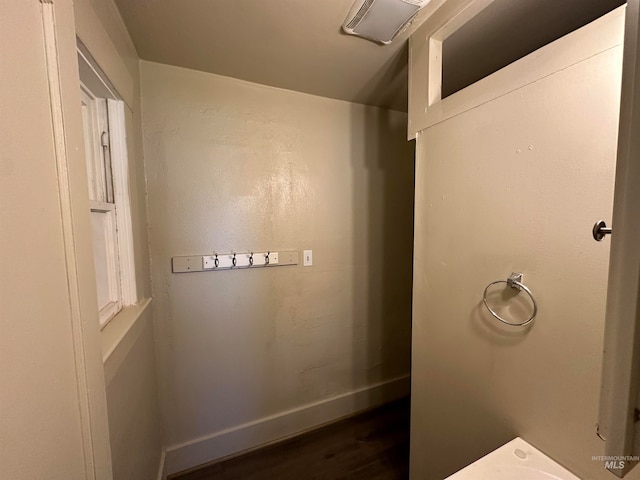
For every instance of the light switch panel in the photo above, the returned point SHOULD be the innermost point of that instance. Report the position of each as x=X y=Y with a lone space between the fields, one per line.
x=307 y=258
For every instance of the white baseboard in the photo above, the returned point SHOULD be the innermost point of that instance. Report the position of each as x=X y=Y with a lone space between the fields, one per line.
x=162 y=474
x=282 y=425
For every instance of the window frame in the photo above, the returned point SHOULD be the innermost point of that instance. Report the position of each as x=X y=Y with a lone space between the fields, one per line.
x=95 y=85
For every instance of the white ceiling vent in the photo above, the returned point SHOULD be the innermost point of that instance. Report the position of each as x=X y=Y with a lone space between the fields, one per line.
x=380 y=20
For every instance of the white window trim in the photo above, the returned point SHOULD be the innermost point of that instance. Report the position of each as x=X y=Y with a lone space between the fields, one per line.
x=122 y=198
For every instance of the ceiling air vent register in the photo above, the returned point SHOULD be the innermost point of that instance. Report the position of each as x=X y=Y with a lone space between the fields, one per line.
x=381 y=20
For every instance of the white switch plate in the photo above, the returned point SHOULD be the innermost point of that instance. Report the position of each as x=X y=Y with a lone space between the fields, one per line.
x=307 y=258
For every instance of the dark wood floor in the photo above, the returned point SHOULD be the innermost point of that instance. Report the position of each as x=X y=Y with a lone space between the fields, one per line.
x=370 y=446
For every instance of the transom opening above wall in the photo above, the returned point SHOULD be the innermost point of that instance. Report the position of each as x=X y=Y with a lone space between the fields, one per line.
x=507 y=30
x=427 y=56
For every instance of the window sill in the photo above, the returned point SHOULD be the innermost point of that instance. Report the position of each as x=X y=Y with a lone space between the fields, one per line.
x=120 y=334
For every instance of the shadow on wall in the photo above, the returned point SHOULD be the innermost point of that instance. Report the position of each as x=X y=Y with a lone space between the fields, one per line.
x=383 y=196
x=389 y=85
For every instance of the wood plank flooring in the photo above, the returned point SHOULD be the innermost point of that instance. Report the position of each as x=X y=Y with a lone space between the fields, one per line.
x=370 y=446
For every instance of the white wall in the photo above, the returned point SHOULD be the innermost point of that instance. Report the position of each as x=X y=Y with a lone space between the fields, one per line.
x=234 y=166
x=514 y=184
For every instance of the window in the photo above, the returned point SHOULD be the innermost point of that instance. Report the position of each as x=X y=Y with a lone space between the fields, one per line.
x=107 y=175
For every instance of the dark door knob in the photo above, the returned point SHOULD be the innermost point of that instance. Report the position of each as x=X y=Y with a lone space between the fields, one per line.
x=600 y=230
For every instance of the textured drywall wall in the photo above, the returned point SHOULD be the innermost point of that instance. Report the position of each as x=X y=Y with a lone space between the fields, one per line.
x=514 y=184
x=134 y=419
x=235 y=166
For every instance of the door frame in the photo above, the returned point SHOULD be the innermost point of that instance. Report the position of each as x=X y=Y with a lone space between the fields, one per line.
x=621 y=357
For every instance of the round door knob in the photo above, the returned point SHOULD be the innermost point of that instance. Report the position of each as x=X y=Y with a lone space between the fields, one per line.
x=600 y=230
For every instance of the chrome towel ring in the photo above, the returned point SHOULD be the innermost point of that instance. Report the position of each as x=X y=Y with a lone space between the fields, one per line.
x=514 y=281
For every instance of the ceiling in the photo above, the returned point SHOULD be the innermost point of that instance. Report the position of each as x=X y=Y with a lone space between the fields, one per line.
x=298 y=44
x=292 y=44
